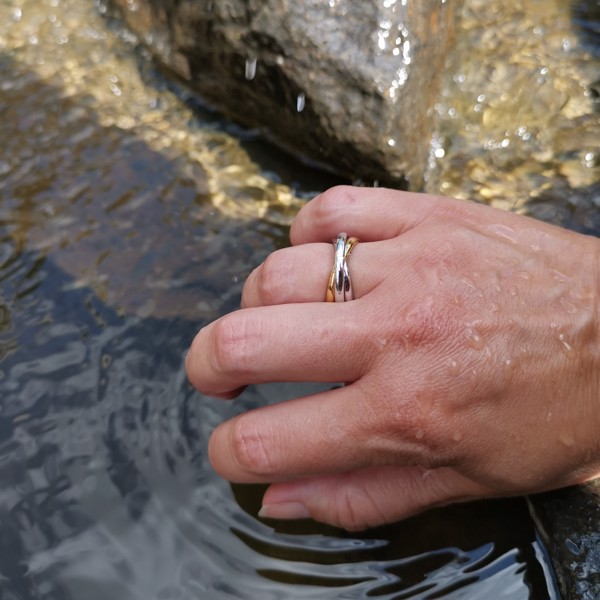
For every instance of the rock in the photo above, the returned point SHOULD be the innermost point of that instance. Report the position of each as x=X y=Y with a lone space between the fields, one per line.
x=586 y=16
x=568 y=523
x=350 y=85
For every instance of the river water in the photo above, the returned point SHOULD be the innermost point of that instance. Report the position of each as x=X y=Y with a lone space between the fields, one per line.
x=128 y=219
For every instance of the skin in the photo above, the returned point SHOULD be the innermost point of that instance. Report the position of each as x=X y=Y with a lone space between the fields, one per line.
x=471 y=357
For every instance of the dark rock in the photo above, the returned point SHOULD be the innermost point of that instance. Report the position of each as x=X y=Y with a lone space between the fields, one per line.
x=347 y=84
x=586 y=16
x=569 y=523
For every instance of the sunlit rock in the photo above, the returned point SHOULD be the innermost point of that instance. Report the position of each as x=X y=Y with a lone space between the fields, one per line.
x=348 y=84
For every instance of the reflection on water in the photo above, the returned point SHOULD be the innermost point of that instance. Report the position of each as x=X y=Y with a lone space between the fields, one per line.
x=126 y=222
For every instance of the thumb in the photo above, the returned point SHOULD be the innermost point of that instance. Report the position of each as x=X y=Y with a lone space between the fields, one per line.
x=369 y=497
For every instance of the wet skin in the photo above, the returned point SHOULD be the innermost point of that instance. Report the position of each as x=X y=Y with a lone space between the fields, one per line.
x=471 y=356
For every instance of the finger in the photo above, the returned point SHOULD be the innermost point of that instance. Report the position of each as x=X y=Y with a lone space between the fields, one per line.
x=301 y=274
x=368 y=213
x=291 y=342
x=322 y=434
x=369 y=497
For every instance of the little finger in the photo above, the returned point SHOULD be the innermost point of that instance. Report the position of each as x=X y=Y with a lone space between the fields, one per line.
x=369 y=497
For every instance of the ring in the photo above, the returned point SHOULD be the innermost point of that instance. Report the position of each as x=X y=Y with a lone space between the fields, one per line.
x=339 y=287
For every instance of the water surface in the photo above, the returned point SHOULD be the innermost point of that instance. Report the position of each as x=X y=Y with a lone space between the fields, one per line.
x=127 y=221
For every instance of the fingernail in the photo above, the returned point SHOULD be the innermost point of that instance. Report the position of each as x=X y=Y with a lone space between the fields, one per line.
x=284 y=510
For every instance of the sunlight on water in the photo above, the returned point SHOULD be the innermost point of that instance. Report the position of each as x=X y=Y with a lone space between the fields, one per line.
x=66 y=44
x=518 y=118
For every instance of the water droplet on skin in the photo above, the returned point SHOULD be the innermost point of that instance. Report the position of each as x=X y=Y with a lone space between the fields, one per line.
x=523 y=274
x=425 y=402
x=453 y=368
x=566 y=439
x=558 y=276
x=430 y=273
x=508 y=368
x=468 y=283
x=549 y=417
x=459 y=299
x=568 y=306
x=475 y=340
x=504 y=232
x=488 y=355
x=381 y=342
x=567 y=348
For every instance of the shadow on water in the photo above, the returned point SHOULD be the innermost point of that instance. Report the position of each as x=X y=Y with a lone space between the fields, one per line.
x=111 y=257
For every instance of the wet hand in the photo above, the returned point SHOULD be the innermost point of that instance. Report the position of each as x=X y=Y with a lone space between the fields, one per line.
x=470 y=355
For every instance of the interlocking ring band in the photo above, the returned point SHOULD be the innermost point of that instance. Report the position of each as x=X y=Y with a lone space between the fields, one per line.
x=339 y=287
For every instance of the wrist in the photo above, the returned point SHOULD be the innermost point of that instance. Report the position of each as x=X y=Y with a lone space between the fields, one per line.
x=590 y=363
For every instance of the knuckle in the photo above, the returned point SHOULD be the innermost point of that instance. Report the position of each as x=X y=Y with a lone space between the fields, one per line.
x=407 y=427
x=251 y=448
x=426 y=324
x=231 y=345
x=271 y=279
x=191 y=363
x=329 y=204
x=249 y=290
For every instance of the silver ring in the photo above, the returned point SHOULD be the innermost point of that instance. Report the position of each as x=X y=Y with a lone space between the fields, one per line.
x=339 y=288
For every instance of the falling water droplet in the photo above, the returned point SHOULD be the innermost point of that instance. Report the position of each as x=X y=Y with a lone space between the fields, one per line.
x=300 y=102
x=250 y=68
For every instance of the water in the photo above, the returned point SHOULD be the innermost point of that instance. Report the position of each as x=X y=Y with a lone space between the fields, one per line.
x=518 y=122
x=128 y=220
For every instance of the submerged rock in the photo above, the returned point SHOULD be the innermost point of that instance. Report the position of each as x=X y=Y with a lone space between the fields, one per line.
x=348 y=84
x=567 y=520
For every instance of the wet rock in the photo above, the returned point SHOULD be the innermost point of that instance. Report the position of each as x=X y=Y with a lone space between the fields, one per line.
x=348 y=84
x=568 y=522
x=586 y=16
x=574 y=208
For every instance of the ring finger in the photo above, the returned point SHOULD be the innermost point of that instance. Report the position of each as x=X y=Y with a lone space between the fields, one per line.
x=301 y=274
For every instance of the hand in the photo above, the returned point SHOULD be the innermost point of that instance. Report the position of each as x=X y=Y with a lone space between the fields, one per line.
x=471 y=357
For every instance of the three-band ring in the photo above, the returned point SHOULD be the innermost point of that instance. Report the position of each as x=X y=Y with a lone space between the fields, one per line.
x=339 y=286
